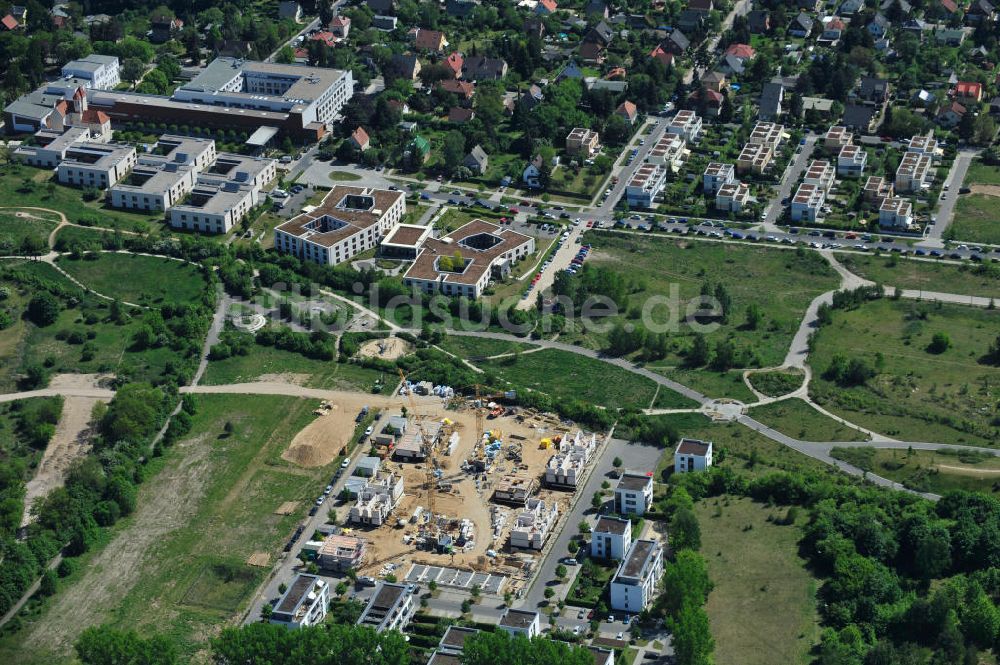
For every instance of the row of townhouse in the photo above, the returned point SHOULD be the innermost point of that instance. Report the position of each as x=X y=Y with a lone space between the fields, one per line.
x=565 y=468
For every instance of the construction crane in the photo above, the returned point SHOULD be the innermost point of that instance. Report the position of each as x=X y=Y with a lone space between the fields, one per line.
x=430 y=480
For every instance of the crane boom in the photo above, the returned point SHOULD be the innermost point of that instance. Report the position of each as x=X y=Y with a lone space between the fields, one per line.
x=429 y=480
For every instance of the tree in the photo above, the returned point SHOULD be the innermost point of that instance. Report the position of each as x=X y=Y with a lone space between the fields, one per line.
x=103 y=645
x=548 y=593
x=692 y=639
x=940 y=343
x=617 y=462
x=596 y=501
x=561 y=571
x=685 y=530
x=698 y=353
x=43 y=309
x=754 y=317
x=685 y=582
x=454 y=149
x=340 y=642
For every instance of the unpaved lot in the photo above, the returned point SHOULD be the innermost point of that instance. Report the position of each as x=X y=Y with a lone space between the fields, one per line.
x=988 y=190
x=389 y=348
x=166 y=503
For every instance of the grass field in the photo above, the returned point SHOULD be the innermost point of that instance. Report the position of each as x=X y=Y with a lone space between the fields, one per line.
x=709 y=382
x=89 y=238
x=916 y=395
x=477 y=348
x=178 y=566
x=927 y=470
x=344 y=176
x=976 y=219
x=144 y=280
x=763 y=607
x=568 y=376
x=16 y=230
x=29 y=186
x=975 y=280
x=799 y=420
x=777 y=383
x=982 y=174
x=268 y=362
x=781 y=283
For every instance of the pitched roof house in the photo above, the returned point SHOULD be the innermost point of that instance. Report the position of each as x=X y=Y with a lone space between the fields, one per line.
x=480 y=68
x=676 y=42
x=546 y=7
x=455 y=63
x=627 y=111
x=476 y=161
x=663 y=56
x=428 y=40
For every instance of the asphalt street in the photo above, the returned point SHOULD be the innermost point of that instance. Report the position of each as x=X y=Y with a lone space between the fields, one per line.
x=949 y=194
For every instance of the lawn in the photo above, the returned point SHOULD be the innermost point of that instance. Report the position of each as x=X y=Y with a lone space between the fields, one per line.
x=82 y=238
x=762 y=609
x=477 y=348
x=799 y=420
x=30 y=186
x=926 y=470
x=974 y=280
x=976 y=219
x=143 y=280
x=177 y=567
x=982 y=174
x=781 y=283
x=709 y=382
x=277 y=364
x=568 y=376
x=590 y=586
x=915 y=394
x=15 y=230
x=777 y=383
x=344 y=176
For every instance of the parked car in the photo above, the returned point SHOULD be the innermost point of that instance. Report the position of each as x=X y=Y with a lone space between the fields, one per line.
x=346 y=463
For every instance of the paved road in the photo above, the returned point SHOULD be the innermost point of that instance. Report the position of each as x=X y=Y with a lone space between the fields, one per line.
x=636 y=457
x=624 y=169
x=946 y=211
x=560 y=261
x=791 y=176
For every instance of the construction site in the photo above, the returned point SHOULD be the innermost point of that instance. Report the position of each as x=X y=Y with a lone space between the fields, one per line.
x=472 y=497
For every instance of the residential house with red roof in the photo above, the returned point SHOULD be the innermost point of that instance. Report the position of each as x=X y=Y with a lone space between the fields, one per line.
x=968 y=91
x=463 y=89
x=340 y=26
x=454 y=62
x=359 y=139
x=741 y=51
x=428 y=40
x=664 y=57
x=628 y=112
x=9 y=23
x=545 y=7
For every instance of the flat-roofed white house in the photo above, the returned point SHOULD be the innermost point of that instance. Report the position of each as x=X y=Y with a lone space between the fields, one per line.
x=895 y=213
x=914 y=172
x=634 y=585
x=851 y=161
x=732 y=197
x=101 y=72
x=686 y=123
x=224 y=194
x=716 y=175
x=390 y=608
x=634 y=493
x=645 y=185
x=377 y=498
x=303 y=604
x=820 y=173
x=164 y=176
x=670 y=152
x=533 y=525
x=611 y=538
x=807 y=202
x=692 y=455
x=520 y=622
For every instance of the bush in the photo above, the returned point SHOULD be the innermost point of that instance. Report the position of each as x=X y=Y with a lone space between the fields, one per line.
x=43 y=309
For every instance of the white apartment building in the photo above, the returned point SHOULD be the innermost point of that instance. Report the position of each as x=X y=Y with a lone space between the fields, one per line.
x=807 y=203
x=100 y=165
x=670 y=152
x=582 y=141
x=925 y=145
x=634 y=493
x=687 y=124
x=914 y=173
x=754 y=158
x=224 y=194
x=877 y=189
x=634 y=585
x=851 y=161
x=895 y=213
x=732 y=197
x=390 y=608
x=611 y=538
x=820 y=173
x=376 y=499
x=566 y=467
x=692 y=455
x=165 y=175
x=100 y=72
x=303 y=604
x=836 y=137
x=645 y=185
x=769 y=134
x=521 y=622
x=716 y=175
x=533 y=525
x=350 y=220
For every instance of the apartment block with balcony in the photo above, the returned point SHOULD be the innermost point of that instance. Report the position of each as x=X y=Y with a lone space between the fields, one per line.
x=914 y=173
x=611 y=538
x=634 y=585
x=754 y=158
x=715 y=176
x=687 y=124
x=851 y=161
x=645 y=185
x=732 y=197
x=820 y=173
x=807 y=204
x=670 y=152
x=390 y=608
x=303 y=604
x=533 y=525
x=634 y=493
x=895 y=213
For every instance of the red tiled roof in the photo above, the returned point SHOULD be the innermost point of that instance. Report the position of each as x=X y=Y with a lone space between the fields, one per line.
x=432 y=40
x=628 y=108
x=950 y=6
x=968 y=89
x=95 y=117
x=616 y=72
x=463 y=88
x=550 y=5
x=741 y=51
x=360 y=136
x=324 y=36
x=9 y=22
x=665 y=57
x=454 y=62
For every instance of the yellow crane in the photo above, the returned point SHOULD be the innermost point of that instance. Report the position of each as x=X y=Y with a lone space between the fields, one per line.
x=430 y=481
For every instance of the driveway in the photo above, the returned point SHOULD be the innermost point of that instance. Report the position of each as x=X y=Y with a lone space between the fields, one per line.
x=792 y=174
x=946 y=211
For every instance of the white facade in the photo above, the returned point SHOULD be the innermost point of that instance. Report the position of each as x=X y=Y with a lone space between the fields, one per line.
x=350 y=220
x=716 y=175
x=670 y=152
x=376 y=499
x=687 y=124
x=222 y=197
x=820 y=173
x=769 y=134
x=101 y=72
x=634 y=585
x=807 y=203
x=162 y=178
x=895 y=212
x=645 y=185
x=732 y=197
x=566 y=467
x=521 y=622
x=692 y=455
x=390 y=608
x=303 y=604
x=611 y=538
x=914 y=173
x=851 y=161
x=634 y=493
x=533 y=525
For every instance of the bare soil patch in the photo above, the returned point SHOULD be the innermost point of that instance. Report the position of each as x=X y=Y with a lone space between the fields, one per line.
x=294 y=378
x=321 y=441
x=287 y=508
x=70 y=442
x=77 y=381
x=968 y=471
x=259 y=559
x=389 y=348
x=988 y=190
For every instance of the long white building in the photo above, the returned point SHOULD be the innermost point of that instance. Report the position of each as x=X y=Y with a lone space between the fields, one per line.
x=634 y=585
x=101 y=72
x=224 y=194
x=165 y=175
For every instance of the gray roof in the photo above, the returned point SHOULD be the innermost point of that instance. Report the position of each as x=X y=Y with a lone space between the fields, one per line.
x=478 y=155
x=770 y=97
